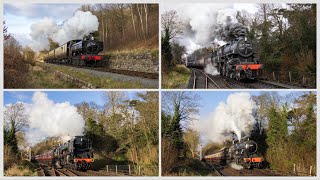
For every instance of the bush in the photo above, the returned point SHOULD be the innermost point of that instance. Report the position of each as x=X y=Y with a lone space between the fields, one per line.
x=169 y=156
x=19 y=171
x=9 y=157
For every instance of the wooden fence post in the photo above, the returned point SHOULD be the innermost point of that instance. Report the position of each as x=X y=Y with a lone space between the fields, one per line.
x=294 y=168
x=139 y=170
x=129 y=170
x=107 y=168
x=116 y=169
x=290 y=76
x=274 y=76
x=310 y=172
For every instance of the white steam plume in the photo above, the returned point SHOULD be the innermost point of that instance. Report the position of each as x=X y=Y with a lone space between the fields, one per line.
x=203 y=22
x=210 y=69
x=54 y=119
x=236 y=166
x=81 y=24
x=236 y=115
x=40 y=32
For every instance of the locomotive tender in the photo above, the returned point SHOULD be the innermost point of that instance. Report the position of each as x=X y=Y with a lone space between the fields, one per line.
x=77 y=52
x=242 y=153
x=238 y=59
x=77 y=154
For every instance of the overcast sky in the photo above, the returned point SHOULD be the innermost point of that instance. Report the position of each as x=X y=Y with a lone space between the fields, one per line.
x=20 y=16
x=251 y=8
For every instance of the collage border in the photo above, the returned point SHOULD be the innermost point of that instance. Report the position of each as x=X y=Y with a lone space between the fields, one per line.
x=160 y=2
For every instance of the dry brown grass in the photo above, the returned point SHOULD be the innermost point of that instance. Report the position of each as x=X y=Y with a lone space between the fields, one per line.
x=9 y=157
x=16 y=170
x=169 y=156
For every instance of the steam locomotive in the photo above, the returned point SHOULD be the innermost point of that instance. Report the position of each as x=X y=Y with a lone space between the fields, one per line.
x=77 y=154
x=242 y=153
x=77 y=52
x=238 y=59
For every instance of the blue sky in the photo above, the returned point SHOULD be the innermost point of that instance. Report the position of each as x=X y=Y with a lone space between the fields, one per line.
x=20 y=16
x=209 y=100
x=74 y=97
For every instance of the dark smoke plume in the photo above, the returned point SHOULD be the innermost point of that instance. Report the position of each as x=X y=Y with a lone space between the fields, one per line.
x=231 y=31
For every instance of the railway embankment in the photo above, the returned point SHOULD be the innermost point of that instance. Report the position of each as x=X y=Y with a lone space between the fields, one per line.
x=139 y=61
x=60 y=76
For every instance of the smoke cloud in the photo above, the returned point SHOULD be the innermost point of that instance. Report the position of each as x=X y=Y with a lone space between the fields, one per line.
x=81 y=24
x=236 y=115
x=207 y=23
x=210 y=69
x=54 y=119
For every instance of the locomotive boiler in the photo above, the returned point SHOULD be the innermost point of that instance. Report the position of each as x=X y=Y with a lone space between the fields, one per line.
x=77 y=52
x=77 y=154
x=238 y=58
x=244 y=153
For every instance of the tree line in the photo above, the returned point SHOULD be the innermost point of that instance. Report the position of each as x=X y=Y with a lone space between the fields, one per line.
x=123 y=131
x=286 y=130
x=126 y=25
x=285 y=37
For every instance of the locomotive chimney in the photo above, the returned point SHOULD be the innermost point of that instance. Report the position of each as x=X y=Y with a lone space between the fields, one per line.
x=91 y=36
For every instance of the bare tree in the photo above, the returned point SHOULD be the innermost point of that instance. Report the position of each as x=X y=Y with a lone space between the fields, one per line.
x=171 y=24
x=186 y=103
x=15 y=118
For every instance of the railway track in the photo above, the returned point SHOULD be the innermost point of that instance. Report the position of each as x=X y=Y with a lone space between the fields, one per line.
x=229 y=171
x=216 y=170
x=44 y=170
x=117 y=71
x=255 y=84
x=50 y=171
x=202 y=80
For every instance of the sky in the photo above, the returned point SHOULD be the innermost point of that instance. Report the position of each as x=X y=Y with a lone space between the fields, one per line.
x=74 y=97
x=251 y=8
x=210 y=100
x=20 y=16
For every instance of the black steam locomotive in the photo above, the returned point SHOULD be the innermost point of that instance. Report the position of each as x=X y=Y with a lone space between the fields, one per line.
x=77 y=154
x=238 y=59
x=242 y=153
x=77 y=52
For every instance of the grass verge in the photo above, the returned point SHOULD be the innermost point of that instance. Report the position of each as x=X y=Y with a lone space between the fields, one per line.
x=25 y=168
x=97 y=81
x=177 y=78
x=191 y=167
x=45 y=79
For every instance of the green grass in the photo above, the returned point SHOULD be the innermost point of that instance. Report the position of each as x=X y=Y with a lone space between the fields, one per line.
x=178 y=77
x=45 y=79
x=97 y=81
x=191 y=167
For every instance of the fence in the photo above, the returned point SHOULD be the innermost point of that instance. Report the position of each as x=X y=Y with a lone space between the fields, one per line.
x=131 y=170
x=124 y=169
x=293 y=78
x=298 y=171
x=311 y=171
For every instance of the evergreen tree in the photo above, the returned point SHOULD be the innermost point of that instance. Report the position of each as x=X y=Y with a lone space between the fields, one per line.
x=176 y=130
x=166 y=51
